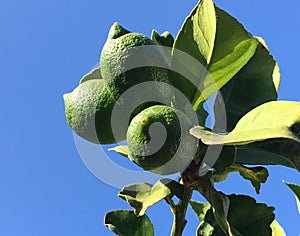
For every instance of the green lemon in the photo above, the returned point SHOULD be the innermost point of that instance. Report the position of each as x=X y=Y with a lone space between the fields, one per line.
x=159 y=141
x=128 y=59
x=88 y=110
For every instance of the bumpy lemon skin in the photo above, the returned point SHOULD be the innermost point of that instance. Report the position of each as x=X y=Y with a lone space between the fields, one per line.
x=177 y=150
x=88 y=111
x=127 y=61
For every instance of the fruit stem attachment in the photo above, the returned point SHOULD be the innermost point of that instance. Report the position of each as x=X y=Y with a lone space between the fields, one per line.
x=179 y=212
x=188 y=180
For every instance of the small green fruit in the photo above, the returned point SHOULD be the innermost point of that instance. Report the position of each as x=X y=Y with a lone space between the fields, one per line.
x=88 y=110
x=128 y=59
x=159 y=141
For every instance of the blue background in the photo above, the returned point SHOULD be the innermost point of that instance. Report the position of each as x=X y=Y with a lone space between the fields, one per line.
x=45 y=48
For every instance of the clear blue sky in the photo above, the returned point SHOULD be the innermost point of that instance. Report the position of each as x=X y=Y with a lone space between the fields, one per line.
x=45 y=48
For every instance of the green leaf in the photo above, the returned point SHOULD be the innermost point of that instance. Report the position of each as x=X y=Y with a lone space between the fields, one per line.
x=196 y=39
x=260 y=76
x=121 y=149
x=296 y=190
x=225 y=159
x=230 y=42
x=205 y=27
x=271 y=131
x=200 y=208
x=229 y=34
x=94 y=74
x=223 y=47
x=275 y=119
x=256 y=175
x=165 y=39
x=245 y=215
x=223 y=70
x=219 y=202
x=277 y=230
x=278 y=151
x=126 y=223
x=141 y=196
x=197 y=35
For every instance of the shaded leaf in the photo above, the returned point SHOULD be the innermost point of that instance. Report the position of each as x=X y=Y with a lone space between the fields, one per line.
x=266 y=153
x=225 y=159
x=250 y=217
x=165 y=39
x=260 y=76
x=245 y=215
x=270 y=152
x=94 y=74
x=141 y=196
x=296 y=190
x=277 y=230
x=126 y=223
x=200 y=208
x=219 y=202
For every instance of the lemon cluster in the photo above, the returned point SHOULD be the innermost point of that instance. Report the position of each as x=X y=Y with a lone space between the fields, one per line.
x=157 y=133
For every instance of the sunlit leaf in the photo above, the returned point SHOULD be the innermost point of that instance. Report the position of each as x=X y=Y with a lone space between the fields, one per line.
x=141 y=196
x=232 y=41
x=220 y=45
x=197 y=35
x=271 y=131
x=223 y=70
x=277 y=230
x=126 y=223
x=196 y=39
x=276 y=119
x=94 y=74
x=205 y=26
x=121 y=149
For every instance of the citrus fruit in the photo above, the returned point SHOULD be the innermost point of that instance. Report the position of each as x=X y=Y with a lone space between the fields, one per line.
x=88 y=109
x=128 y=59
x=159 y=141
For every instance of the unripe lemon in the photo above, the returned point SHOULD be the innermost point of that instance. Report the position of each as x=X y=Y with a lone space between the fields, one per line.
x=88 y=109
x=128 y=59
x=159 y=140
